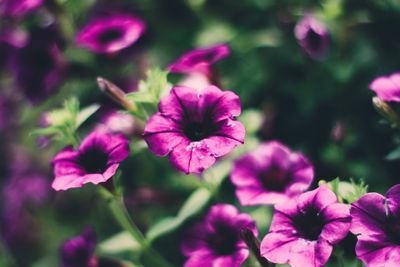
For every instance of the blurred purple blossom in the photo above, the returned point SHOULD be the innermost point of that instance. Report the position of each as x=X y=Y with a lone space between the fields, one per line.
x=39 y=65
x=304 y=230
x=197 y=64
x=110 y=34
x=118 y=122
x=376 y=224
x=78 y=251
x=271 y=174
x=96 y=160
x=18 y=8
x=195 y=127
x=216 y=240
x=387 y=87
x=312 y=35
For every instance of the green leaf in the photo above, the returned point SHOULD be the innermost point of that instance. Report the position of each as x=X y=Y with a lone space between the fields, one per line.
x=45 y=131
x=155 y=84
x=394 y=155
x=140 y=97
x=196 y=201
x=252 y=121
x=119 y=243
x=163 y=227
x=85 y=113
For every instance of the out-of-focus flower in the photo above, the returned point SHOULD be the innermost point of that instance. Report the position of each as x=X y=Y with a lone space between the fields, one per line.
x=195 y=127
x=197 y=64
x=312 y=35
x=39 y=66
x=21 y=191
x=376 y=224
x=387 y=87
x=216 y=240
x=96 y=160
x=110 y=34
x=18 y=8
x=118 y=122
x=271 y=174
x=304 y=230
x=79 y=250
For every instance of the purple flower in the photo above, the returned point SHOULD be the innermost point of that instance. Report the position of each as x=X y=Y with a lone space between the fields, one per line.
x=199 y=60
x=39 y=66
x=312 y=35
x=79 y=250
x=96 y=160
x=271 y=174
x=18 y=8
x=216 y=240
x=304 y=230
x=111 y=33
x=376 y=222
x=195 y=127
x=387 y=87
x=198 y=65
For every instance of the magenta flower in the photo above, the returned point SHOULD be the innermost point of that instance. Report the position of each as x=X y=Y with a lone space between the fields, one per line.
x=18 y=8
x=387 y=87
x=118 y=122
x=198 y=65
x=194 y=127
x=39 y=66
x=96 y=160
x=304 y=230
x=216 y=240
x=78 y=251
x=376 y=222
x=199 y=60
x=271 y=174
x=110 y=34
x=312 y=35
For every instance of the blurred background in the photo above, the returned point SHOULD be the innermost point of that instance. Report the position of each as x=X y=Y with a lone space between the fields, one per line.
x=318 y=105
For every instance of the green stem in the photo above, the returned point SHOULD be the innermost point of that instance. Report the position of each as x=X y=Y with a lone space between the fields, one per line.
x=121 y=214
x=6 y=255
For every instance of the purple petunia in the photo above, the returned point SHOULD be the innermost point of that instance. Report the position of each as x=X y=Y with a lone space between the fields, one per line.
x=271 y=174
x=195 y=127
x=387 y=87
x=304 y=230
x=312 y=35
x=18 y=8
x=197 y=64
x=111 y=33
x=96 y=160
x=39 y=65
x=78 y=251
x=376 y=222
x=216 y=240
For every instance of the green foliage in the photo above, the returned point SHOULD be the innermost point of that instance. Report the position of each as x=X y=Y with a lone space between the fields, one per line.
x=347 y=192
x=62 y=124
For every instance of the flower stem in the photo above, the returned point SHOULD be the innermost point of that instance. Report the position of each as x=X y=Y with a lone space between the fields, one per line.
x=118 y=209
x=254 y=246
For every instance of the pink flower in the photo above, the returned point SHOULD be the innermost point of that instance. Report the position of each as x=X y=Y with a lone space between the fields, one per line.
x=110 y=34
x=387 y=87
x=194 y=127
x=197 y=64
x=216 y=240
x=96 y=160
x=304 y=230
x=271 y=174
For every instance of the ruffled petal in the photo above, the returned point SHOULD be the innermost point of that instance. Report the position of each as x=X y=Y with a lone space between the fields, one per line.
x=387 y=87
x=192 y=157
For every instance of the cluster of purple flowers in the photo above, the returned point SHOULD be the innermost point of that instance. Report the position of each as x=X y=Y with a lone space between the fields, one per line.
x=196 y=125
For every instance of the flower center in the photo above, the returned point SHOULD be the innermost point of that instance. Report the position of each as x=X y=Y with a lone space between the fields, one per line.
x=94 y=160
x=224 y=240
x=314 y=40
x=309 y=223
x=110 y=35
x=274 y=179
x=197 y=131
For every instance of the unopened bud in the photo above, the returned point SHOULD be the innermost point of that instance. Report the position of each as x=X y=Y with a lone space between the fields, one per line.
x=385 y=110
x=115 y=93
